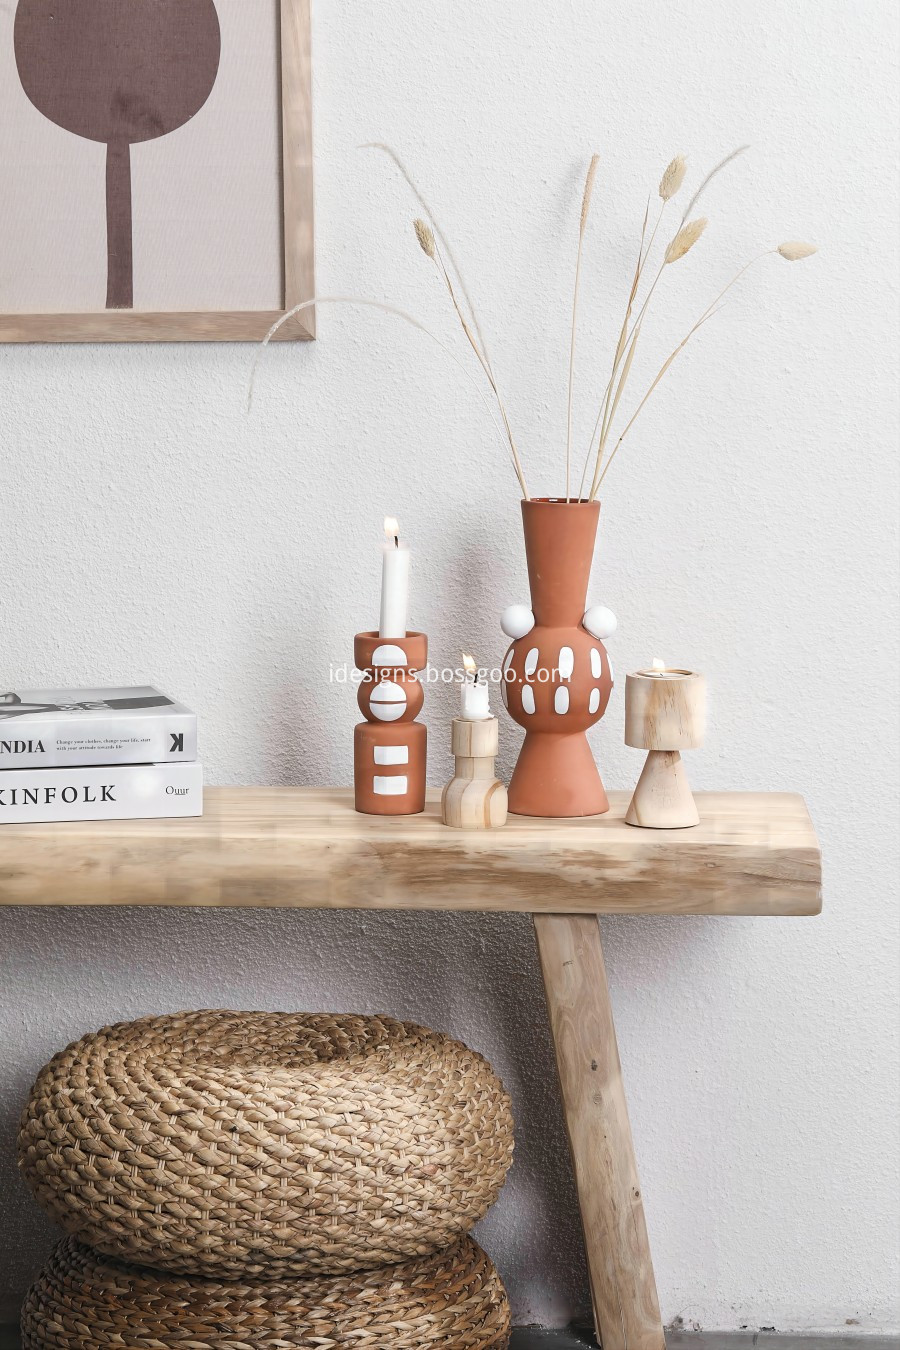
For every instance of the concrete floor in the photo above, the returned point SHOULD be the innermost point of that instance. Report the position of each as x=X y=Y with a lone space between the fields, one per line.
x=550 y=1340
x=533 y=1339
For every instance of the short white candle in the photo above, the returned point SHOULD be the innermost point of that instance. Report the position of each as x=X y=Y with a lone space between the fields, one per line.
x=660 y=671
x=474 y=694
x=394 y=583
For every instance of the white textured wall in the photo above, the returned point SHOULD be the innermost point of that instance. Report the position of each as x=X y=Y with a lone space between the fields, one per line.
x=151 y=532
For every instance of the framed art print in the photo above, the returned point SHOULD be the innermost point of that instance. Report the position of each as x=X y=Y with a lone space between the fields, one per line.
x=156 y=158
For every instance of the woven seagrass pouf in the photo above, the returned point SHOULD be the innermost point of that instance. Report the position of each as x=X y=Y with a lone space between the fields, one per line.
x=272 y=1144
x=450 y=1301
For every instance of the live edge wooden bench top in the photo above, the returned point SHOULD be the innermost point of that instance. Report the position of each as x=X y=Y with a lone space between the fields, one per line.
x=752 y=853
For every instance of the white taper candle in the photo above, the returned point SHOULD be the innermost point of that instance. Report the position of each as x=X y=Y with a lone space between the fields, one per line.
x=394 y=583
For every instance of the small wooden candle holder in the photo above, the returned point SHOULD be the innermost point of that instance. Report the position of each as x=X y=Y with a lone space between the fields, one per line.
x=390 y=747
x=665 y=713
x=474 y=799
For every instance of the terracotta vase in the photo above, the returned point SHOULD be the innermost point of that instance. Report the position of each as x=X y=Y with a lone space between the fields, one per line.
x=557 y=677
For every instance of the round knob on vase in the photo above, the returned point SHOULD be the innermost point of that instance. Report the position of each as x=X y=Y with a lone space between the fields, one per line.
x=600 y=622
x=517 y=621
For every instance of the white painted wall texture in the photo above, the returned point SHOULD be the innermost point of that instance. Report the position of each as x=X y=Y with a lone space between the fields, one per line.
x=153 y=532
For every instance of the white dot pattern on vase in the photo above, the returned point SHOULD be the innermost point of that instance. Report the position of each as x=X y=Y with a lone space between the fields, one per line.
x=594 y=701
x=596 y=663
x=509 y=660
x=389 y=655
x=528 y=698
x=531 y=661
x=391 y=754
x=388 y=702
x=566 y=663
x=612 y=677
x=394 y=786
x=561 y=699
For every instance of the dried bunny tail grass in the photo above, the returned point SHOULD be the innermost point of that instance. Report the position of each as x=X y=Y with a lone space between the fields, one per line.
x=710 y=313
x=624 y=337
x=613 y=409
x=673 y=178
x=439 y=233
x=476 y=338
x=588 y=191
x=407 y=318
x=685 y=239
x=709 y=177
x=482 y=361
x=794 y=250
x=425 y=236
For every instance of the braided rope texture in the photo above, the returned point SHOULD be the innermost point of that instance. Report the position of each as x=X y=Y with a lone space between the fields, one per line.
x=82 y=1301
x=273 y=1144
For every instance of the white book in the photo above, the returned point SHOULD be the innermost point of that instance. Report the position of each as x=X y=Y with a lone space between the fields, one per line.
x=45 y=728
x=113 y=792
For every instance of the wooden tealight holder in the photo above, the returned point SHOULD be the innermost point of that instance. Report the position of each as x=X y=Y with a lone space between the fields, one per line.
x=390 y=747
x=474 y=799
x=665 y=713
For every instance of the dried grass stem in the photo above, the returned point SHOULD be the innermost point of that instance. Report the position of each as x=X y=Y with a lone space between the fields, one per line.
x=585 y=214
x=436 y=247
x=386 y=309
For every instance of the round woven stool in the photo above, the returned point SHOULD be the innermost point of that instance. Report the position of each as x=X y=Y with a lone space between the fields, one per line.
x=271 y=1144
x=451 y=1301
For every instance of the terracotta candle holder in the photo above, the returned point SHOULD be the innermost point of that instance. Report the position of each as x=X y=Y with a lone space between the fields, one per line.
x=665 y=713
x=390 y=747
x=474 y=799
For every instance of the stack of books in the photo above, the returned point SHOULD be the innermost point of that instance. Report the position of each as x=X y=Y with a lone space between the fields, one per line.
x=97 y=754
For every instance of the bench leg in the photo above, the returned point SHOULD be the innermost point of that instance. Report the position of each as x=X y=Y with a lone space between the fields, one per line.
x=623 y=1288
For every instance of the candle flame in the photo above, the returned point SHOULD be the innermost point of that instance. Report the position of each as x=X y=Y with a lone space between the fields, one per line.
x=469 y=663
x=658 y=665
x=392 y=528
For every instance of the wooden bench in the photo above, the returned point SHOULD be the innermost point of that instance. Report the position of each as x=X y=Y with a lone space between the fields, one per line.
x=752 y=853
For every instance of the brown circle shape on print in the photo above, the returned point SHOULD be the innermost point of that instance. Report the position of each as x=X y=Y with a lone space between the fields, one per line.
x=118 y=72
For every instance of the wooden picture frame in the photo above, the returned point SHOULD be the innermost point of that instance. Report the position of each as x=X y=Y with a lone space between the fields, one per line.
x=298 y=263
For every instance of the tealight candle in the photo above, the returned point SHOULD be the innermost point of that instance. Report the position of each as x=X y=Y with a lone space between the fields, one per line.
x=474 y=693
x=394 y=583
x=660 y=671
x=474 y=799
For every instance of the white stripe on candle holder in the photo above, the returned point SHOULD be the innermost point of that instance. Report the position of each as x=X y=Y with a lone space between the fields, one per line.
x=391 y=754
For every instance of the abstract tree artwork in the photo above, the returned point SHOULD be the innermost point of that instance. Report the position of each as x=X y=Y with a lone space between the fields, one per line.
x=156 y=158
x=119 y=72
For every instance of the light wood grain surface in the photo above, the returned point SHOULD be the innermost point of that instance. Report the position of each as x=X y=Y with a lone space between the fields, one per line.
x=665 y=714
x=298 y=265
x=128 y=325
x=623 y=1287
x=297 y=136
x=752 y=853
x=662 y=799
